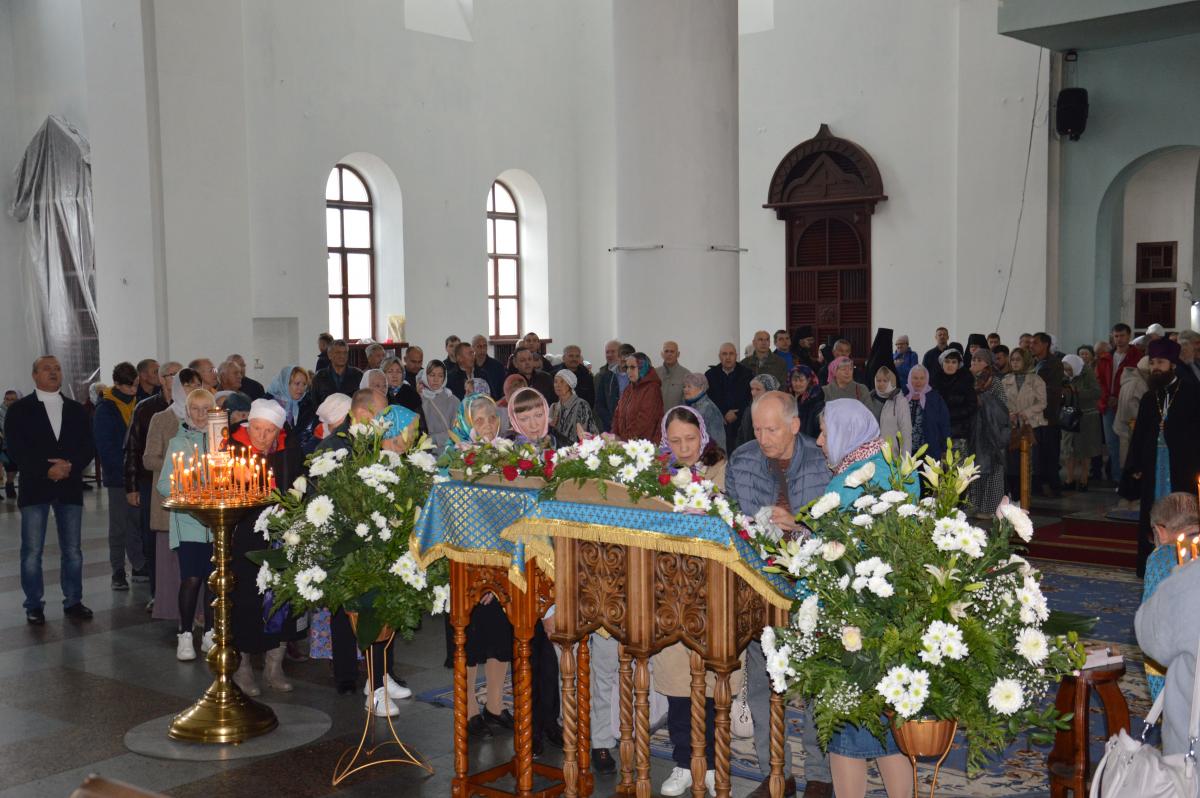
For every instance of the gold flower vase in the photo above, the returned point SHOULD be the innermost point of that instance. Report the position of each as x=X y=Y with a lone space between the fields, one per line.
x=925 y=738
x=224 y=714
x=363 y=756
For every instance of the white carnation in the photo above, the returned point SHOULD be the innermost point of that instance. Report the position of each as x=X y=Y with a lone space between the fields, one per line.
x=862 y=520
x=863 y=501
x=424 y=461
x=1019 y=520
x=894 y=496
x=808 y=614
x=906 y=510
x=265 y=578
x=830 y=501
x=861 y=476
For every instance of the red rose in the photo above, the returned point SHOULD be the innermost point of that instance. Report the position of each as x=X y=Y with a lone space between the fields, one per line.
x=696 y=477
x=770 y=561
x=548 y=471
x=524 y=464
x=664 y=478
x=548 y=455
x=664 y=457
x=510 y=473
x=470 y=458
x=743 y=534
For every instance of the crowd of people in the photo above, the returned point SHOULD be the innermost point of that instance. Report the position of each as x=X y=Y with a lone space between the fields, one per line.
x=774 y=427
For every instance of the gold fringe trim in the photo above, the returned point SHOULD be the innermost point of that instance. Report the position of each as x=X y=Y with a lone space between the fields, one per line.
x=530 y=529
x=542 y=553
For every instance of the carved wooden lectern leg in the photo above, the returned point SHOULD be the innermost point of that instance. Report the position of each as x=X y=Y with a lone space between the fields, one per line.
x=625 y=679
x=777 y=735
x=723 y=699
x=570 y=766
x=699 y=713
x=641 y=702
x=459 y=616
x=584 y=716
x=523 y=711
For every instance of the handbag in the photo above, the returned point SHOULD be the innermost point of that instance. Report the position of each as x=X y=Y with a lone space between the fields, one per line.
x=741 y=722
x=1070 y=416
x=1132 y=769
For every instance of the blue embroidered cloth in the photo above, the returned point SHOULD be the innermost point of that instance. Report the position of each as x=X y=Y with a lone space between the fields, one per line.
x=479 y=523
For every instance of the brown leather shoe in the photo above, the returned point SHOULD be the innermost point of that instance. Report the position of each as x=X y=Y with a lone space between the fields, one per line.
x=818 y=789
x=789 y=788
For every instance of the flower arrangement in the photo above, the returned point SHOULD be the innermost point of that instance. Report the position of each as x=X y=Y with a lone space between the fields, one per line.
x=643 y=471
x=911 y=611
x=502 y=458
x=342 y=540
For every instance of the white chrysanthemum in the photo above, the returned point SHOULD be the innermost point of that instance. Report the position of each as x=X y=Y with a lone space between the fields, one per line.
x=861 y=476
x=627 y=473
x=906 y=510
x=1006 y=696
x=880 y=587
x=1032 y=645
x=808 y=614
x=265 y=578
x=307 y=580
x=441 y=599
x=615 y=460
x=862 y=520
x=894 y=496
x=830 y=501
x=327 y=462
x=863 y=501
x=424 y=461
x=928 y=501
x=362 y=530
x=1019 y=520
x=880 y=508
x=592 y=462
x=844 y=582
x=319 y=511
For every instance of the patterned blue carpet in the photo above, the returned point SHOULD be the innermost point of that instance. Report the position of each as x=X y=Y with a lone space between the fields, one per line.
x=1110 y=594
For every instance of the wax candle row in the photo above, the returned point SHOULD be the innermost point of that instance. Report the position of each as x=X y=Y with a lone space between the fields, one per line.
x=222 y=475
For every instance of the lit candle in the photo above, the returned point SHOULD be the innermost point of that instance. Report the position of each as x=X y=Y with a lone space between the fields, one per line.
x=1181 y=551
x=1196 y=547
x=271 y=482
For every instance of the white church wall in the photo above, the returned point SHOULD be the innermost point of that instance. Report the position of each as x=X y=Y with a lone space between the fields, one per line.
x=1160 y=205
x=943 y=105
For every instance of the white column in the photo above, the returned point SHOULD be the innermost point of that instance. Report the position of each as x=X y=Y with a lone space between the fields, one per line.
x=676 y=98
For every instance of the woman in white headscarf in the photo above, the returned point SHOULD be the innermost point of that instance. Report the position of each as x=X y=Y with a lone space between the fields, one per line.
x=570 y=417
x=163 y=426
x=1081 y=445
x=438 y=403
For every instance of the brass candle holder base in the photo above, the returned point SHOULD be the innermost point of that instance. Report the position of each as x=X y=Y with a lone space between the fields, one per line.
x=225 y=714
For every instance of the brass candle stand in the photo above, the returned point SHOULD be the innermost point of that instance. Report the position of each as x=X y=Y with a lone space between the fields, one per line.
x=224 y=714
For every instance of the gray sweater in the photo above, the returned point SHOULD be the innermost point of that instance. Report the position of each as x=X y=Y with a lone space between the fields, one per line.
x=1168 y=630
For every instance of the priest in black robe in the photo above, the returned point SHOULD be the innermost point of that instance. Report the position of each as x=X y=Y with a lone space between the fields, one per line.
x=1171 y=406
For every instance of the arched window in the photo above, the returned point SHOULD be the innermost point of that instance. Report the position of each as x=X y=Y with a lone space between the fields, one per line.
x=503 y=263
x=350 y=237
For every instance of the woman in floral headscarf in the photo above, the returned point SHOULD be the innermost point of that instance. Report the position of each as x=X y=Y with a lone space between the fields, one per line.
x=685 y=436
x=851 y=441
x=841 y=383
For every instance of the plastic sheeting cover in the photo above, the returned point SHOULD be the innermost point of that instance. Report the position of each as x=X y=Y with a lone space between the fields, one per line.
x=54 y=198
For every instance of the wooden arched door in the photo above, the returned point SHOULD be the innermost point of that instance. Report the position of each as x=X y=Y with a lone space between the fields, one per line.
x=825 y=190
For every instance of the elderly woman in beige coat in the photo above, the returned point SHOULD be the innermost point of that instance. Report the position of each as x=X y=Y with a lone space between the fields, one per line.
x=163 y=426
x=1025 y=393
x=1133 y=387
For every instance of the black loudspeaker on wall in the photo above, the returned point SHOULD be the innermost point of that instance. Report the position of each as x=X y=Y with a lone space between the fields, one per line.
x=1071 y=113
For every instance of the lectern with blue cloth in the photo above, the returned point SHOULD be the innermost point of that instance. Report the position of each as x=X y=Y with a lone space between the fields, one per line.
x=649 y=577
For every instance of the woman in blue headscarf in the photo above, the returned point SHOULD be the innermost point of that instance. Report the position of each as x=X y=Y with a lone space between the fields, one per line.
x=851 y=440
x=402 y=427
x=290 y=390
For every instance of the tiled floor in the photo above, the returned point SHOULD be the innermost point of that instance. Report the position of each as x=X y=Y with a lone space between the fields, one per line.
x=69 y=691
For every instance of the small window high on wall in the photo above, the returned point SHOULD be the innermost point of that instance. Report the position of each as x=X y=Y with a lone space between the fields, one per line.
x=503 y=263
x=350 y=238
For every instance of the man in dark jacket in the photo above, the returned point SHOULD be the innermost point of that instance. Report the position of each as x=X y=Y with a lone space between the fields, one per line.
x=608 y=382
x=250 y=386
x=1049 y=438
x=114 y=413
x=148 y=379
x=782 y=470
x=941 y=337
x=340 y=377
x=49 y=438
x=763 y=361
x=488 y=367
x=137 y=478
x=729 y=388
x=572 y=361
x=525 y=361
x=461 y=380
x=1172 y=407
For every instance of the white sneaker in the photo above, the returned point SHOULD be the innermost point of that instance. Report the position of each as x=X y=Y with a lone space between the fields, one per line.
x=679 y=782
x=207 y=642
x=382 y=706
x=710 y=781
x=184 y=650
x=394 y=689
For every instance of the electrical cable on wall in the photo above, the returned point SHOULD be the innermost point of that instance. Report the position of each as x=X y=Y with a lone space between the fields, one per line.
x=1037 y=86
